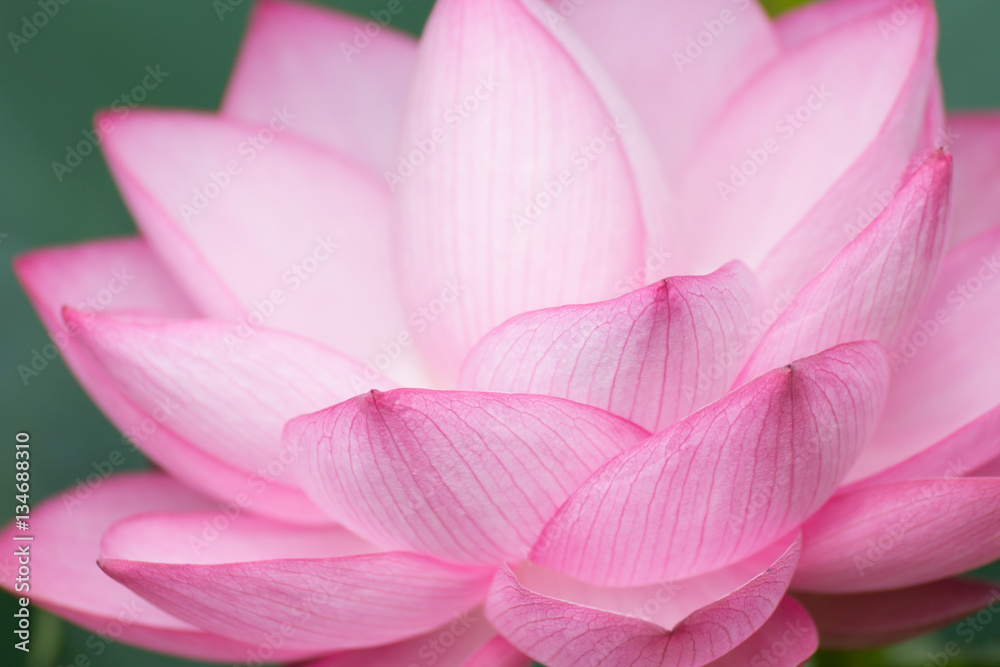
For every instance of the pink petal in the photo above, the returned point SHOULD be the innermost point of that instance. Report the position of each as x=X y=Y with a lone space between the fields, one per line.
x=976 y=197
x=346 y=87
x=812 y=20
x=989 y=469
x=946 y=368
x=967 y=451
x=806 y=119
x=467 y=641
x=465 y=476
x=228 y=395
x=263 y=227
x=677 y=63
x=465 y=210
x=560 y=621
x=874 y=288
x=787 y=639
x=723 y=483
x=900 y=534
x=652 y=356
x=86 y=276
x=870 y=620
x=320 y=589
x=66 y=531
x=890 y=161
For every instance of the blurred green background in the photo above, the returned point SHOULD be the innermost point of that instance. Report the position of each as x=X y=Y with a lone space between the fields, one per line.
x=91 y=52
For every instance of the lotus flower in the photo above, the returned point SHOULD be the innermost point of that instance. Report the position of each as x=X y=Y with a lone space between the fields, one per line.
x=635 y=333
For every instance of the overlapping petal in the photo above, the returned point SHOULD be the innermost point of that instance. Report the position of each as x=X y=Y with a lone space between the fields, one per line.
x=875 y=287
x=965 y=452
x=345 y=78
x=808 y=119
x=467 y=641
x=262 y=227
x=812 y=19
x=525 y=204
x=652 y=356
x=880 y=173
x=787 y=639
x=66 y=532
x=725 y=482
x=469 y=477
x=227 y=394
x=975 y=142
x=124 y=276
x=946 y=368
x=867 y=620
x=889 y=536
x=320 y=589
x=676 y=62
x=563 y=622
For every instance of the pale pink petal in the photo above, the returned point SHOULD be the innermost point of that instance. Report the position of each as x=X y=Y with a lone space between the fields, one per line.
x=874 y=288
x=976 y=197
x=676 y=62
x=900 y=534
x=968 y=451
x=66 y=532
x=262 y=227
x=498 y=652
x=468 y=641
x=525 y=205
x=723 y=483
x=229 y=396
x=869 y=620
x=124 y=276
x=562 y=622
x=946 y=368
x=810 y=21
x=466 y=476
x=652 y=356
x=788 y=639
x=344 y=77
x=878 y=175
x=807 y=119
x=320 y=589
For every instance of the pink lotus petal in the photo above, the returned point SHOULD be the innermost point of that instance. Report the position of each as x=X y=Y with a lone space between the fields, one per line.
x=347 y=87
x=976 y=196
x=229 y=396
x=867 y=188
x=723 y=483
x=677 y=63
x=870 y=620
x=967 y=451
x=87 y=277
x=900 y=534
x=787 y=639
x=812 y=20
x=652 y=356
x=875 y=287
x=262 y=227
x=66 y=531
x=467 y=641
x=525 y=205
x=465 y=476
x=319 y=589
x=560 y=621
x=817 y=100
x=946 y=368
x=989 y=469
